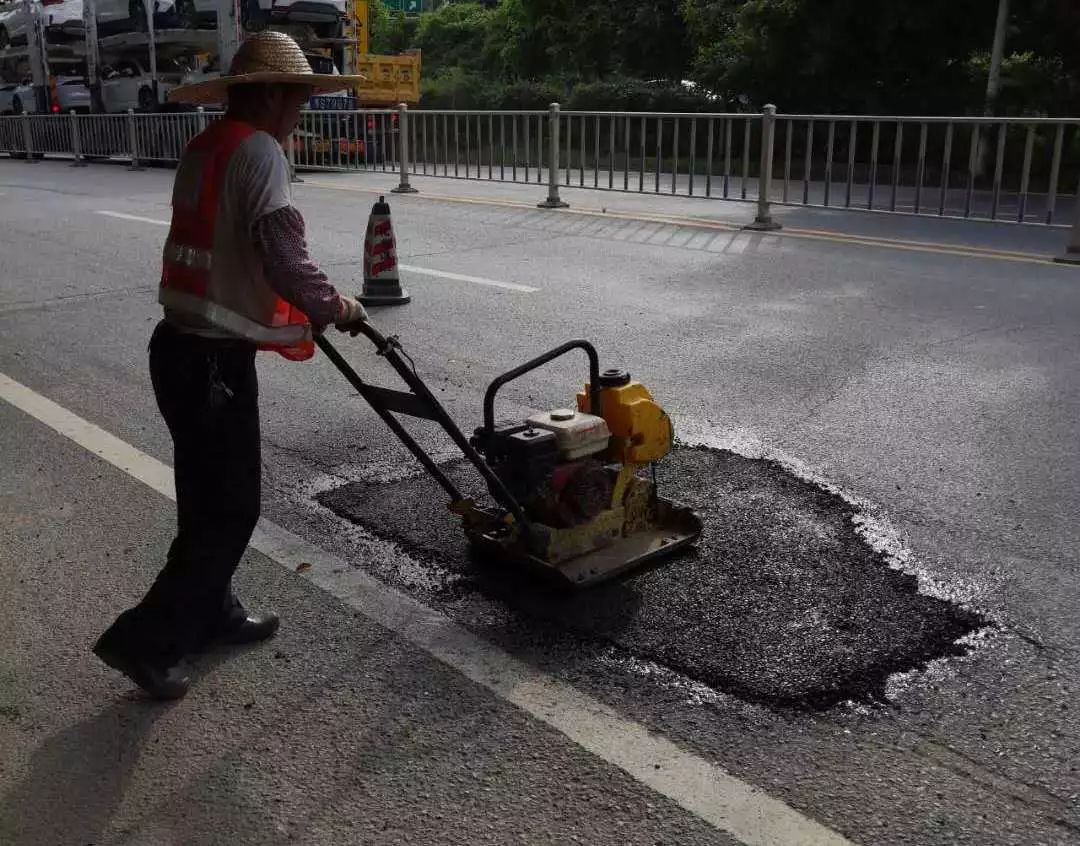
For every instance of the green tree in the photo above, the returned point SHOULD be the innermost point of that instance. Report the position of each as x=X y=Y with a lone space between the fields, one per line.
x=654 y=41
x=455 y=36
x=896 y=57
x=399 y=33
x=839 y=55
x=1041 y=73
x=378 y=28
x=569 y=37
x=592 y=39
x=515 y=46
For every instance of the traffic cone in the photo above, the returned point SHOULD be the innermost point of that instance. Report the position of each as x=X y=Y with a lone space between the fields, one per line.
x=381 y=283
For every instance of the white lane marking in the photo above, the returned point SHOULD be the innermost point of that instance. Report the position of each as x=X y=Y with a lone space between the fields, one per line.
x=408 y=268
x=475 y=280
x=135 y=217
x=704 y=789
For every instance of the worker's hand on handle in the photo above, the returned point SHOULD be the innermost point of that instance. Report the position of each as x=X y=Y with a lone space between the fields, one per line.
x=353 y=314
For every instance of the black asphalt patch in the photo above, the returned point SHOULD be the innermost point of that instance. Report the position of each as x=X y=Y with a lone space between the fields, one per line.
x=780 y=603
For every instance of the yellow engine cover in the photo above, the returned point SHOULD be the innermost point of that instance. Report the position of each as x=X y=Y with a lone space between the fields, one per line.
x=641 y=432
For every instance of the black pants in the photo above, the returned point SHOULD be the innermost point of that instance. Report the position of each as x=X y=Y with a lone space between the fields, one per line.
x=208 y=393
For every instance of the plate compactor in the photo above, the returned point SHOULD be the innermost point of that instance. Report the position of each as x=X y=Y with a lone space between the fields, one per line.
x=573 y=498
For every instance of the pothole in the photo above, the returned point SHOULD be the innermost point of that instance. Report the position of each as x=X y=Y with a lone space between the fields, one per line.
x=782 y=601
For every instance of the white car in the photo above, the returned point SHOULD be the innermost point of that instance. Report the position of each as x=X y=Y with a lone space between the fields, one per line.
x=128 y=84
x=325 y=16
x=15 y=24
x=71 y=95
x=17 y=98
x=57 y=16
x=123 y=15
x=64 y=18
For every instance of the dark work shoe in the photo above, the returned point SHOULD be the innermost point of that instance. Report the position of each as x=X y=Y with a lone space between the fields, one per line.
x=245 y=627
x=159 y=682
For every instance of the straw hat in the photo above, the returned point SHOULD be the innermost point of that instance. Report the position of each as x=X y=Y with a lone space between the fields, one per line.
x=266 y=57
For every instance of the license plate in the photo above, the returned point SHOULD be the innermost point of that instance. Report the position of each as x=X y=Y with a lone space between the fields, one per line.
x=326 y=104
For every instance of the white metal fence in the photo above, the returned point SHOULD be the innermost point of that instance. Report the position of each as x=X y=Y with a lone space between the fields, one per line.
x=1022 y=170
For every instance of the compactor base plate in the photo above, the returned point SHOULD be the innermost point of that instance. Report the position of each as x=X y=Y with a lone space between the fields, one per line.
x=668 y=528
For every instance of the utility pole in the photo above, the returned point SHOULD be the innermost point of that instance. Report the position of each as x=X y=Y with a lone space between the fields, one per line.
x=93 y=79
x=39 y=62
x=993 y=79
x=997 y=55
x=229 y=32
x=149 y=6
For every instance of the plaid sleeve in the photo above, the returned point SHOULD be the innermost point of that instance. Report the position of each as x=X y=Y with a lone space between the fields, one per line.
x=291 y=271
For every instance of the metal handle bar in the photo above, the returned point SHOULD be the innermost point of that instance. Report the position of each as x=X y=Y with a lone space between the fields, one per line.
x=388 y=348
x=594 y=378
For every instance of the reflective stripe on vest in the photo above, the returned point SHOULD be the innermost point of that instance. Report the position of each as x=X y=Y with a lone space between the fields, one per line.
x=188 y=258
x=237 y=324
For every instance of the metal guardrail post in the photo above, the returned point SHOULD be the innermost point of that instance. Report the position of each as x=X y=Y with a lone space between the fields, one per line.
x=76 y=141
x=1072 y=251
x=133 y=141
x=200 y=120
x=292 y=159
x=553 y=201
x=763 y=220
x=403 y=186
x=28 y=138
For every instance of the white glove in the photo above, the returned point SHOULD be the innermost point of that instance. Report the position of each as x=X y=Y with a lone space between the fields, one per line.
x=352 y=314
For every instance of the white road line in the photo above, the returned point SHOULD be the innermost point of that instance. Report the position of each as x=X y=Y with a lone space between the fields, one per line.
x=475 y=280
x=704 y=789
x=408 y=268
x=135 y=217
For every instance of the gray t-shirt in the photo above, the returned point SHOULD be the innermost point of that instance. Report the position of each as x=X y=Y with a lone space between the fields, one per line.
x=256 y=183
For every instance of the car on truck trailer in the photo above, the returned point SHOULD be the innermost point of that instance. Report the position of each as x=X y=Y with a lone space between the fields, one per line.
x=17 y=23
x=15 y=96
x=324 y=16
x=66 y=94
x=128 y=84
x=336 y=130
x=64 y=21
x=69 y=94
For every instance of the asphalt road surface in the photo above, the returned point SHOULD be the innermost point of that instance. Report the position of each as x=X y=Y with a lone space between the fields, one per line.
x=875 y=640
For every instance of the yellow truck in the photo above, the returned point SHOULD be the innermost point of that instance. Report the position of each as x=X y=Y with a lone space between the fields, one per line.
x=390 y=79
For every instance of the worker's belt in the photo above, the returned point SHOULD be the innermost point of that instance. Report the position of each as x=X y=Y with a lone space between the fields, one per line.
x=196 y=258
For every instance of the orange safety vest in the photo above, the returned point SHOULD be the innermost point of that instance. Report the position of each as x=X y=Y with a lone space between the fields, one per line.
x=188 y=258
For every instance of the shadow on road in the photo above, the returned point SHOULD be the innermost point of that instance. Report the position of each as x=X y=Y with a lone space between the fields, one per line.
x=77 y=778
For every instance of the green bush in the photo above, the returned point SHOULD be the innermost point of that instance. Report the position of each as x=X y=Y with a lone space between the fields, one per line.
x=527 y=94
x=621 y=94
x=457 y=88
x=454 y=88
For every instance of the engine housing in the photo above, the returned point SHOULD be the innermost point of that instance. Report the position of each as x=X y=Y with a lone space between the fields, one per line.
x=549 y=464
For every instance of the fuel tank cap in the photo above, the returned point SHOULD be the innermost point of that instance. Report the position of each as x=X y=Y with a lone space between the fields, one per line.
x=614 y=378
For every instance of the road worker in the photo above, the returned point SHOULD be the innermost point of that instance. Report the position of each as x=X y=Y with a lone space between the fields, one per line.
x=236 y=278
